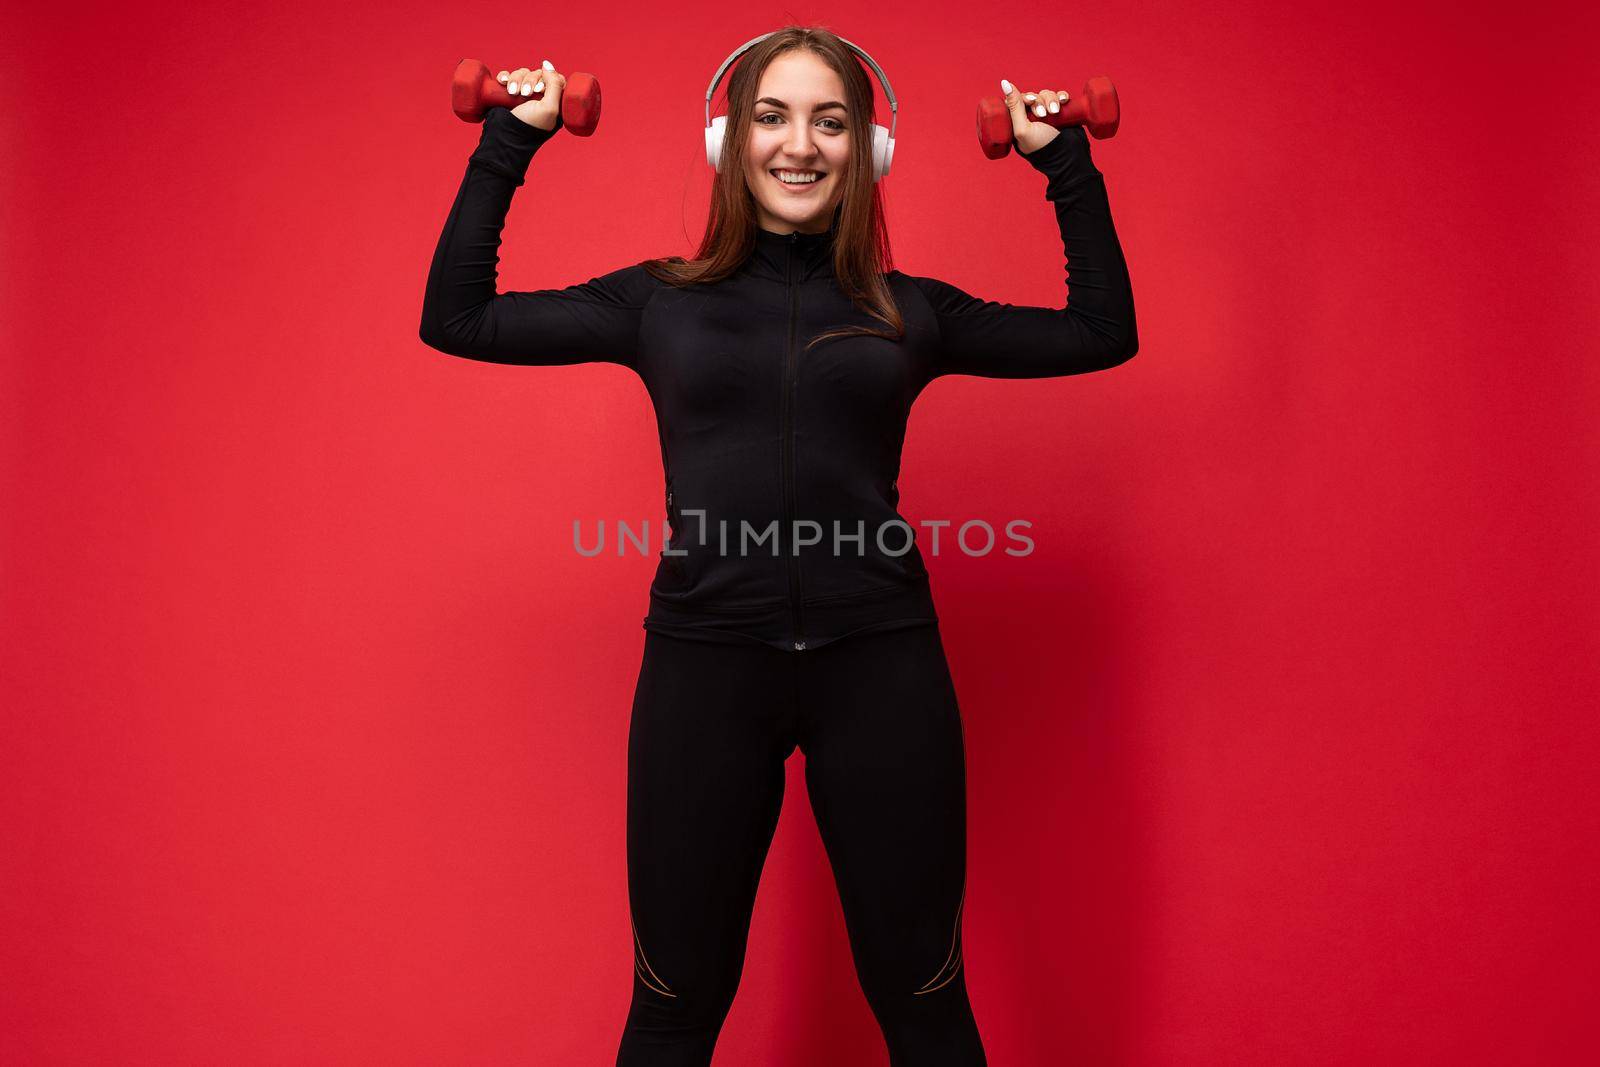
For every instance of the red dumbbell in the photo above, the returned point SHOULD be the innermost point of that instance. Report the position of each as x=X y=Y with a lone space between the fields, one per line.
x=474 y=90
x=1095 y=109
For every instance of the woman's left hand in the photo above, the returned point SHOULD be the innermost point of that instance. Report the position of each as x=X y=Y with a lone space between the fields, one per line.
x=1031 y=135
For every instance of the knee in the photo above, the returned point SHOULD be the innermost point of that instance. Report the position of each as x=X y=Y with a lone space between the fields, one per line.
x=908 y=980
x=684 y=1005
x=902 y=994
x=928 y=1025
x=676 y=1027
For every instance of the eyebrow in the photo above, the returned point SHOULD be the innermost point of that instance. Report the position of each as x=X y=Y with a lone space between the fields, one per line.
x=820 y=107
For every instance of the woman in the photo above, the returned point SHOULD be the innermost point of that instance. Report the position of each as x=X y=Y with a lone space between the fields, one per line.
x=790 y=608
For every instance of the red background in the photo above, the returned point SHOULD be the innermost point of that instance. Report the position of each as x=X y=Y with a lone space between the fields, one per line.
x=1281 y=745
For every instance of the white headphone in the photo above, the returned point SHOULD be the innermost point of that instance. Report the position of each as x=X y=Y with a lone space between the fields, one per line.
x=882 y=139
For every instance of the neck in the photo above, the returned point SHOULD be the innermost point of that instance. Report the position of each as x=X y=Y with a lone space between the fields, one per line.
x=797 y=254
x=779 y=228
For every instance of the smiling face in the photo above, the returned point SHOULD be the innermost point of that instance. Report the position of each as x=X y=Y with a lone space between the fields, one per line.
x=799 y=125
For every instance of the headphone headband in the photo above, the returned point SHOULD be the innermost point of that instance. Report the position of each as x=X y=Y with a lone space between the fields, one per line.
x=894 y=108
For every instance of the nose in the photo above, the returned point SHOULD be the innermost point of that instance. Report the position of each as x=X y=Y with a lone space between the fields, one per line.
x=800 y=145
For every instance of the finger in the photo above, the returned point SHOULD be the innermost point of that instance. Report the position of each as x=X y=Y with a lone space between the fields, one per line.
x=1038 y=102
x=504 y=76
x=514 y=82
x=1017 y=107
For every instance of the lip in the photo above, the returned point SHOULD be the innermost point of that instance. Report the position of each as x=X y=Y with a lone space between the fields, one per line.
x=798 y=190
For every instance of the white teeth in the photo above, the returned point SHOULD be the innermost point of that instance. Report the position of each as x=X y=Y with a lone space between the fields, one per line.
x=796 y=179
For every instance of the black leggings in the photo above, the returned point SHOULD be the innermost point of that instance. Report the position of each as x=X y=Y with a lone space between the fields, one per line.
x=876 y=716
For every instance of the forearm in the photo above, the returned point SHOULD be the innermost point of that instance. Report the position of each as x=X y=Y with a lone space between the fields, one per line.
x=460 y=313
x=1097 y=327
x=1094 y=329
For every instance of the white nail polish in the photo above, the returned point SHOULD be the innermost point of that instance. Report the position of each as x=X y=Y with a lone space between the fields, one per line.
x=527 y=90
x=1005 y=87
x=540 y=87
x=1038 y=109
x=1054 y=106
x=547 y=65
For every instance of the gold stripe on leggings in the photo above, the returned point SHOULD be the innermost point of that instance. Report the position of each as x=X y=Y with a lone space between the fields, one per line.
x=642 y=965
x=952 y=962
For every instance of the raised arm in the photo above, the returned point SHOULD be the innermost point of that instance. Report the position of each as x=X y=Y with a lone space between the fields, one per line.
x=1094 y=331
x=463 y=315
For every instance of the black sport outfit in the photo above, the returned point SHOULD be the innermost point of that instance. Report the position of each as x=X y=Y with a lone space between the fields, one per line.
x=782 y=466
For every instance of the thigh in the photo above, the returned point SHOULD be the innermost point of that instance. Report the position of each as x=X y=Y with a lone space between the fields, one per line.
x=706 y=749
x=885 y=770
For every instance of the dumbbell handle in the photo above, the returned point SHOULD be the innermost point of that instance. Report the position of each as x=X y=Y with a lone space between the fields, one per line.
x=1095 y=109
x=473 y=90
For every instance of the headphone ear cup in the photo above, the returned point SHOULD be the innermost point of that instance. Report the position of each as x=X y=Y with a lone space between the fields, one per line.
x=714 y=140
x=882 y=152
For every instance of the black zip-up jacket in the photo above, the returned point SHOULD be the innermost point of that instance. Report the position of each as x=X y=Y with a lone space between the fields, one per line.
x=781 y=464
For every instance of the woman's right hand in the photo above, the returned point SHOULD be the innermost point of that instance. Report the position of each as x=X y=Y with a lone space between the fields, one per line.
x=544 y=109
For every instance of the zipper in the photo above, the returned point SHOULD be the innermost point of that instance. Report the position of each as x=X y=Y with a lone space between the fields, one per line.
x=788 y=453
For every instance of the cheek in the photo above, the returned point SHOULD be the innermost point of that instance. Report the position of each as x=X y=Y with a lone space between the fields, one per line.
x=755 y=167
x=762 y=143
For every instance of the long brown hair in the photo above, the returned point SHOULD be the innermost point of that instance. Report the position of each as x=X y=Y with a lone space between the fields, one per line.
x=861 y=254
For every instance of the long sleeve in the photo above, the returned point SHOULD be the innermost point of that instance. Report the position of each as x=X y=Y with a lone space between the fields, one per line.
x=464 y=315
x=1094 y=331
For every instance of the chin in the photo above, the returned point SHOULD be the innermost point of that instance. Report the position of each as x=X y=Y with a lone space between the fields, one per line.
x=799 y=220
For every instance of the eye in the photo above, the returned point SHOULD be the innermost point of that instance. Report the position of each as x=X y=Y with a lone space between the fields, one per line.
x=837 y=126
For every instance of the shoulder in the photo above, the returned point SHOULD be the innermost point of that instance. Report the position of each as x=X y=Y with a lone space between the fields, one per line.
x=920 y=301
x=632 y=286
x=901 y=282
x=937 y=294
